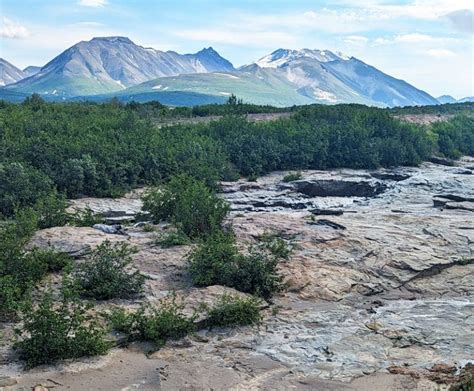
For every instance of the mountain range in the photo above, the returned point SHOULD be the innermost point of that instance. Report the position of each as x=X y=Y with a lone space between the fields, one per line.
x=105 y=67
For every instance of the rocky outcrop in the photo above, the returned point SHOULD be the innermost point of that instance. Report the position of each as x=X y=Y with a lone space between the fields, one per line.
x=113 y=210
x=377 y=283
x=339 y=188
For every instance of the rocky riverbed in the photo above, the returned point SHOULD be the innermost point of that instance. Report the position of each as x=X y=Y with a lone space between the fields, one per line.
x=379 y=292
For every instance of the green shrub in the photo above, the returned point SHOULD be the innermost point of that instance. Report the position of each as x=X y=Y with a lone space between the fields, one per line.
x=234 y=311
x=211 y=261
x=171 y=239
x=275 y=245
x=106 y=273
x=193 y=207
x=156 y=324
x=53 y=261
x=149 y=228
x=291 y=177
x=51 y=210
x=218 y=261
x=52 y=332
x=85 y=218
x=21 y=186
x=12 y=297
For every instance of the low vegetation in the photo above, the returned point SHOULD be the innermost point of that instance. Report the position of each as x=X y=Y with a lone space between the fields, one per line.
x=168 y=320
x=107 y=273
x=52 y=331
x=21 y=269
x=154 y=323
x=193 y=207
x=217 y=260
x=291 y=177
x=234 y=311
x=171 y=239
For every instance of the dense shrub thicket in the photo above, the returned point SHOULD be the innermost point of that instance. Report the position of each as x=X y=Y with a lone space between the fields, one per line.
x=447 y=108
x=105 y=149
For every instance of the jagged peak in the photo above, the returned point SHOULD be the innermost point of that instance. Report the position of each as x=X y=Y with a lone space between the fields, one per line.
x=282 y=56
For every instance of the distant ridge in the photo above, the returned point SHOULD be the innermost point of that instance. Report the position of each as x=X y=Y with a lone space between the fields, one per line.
x=109 y=64
x=105 y=67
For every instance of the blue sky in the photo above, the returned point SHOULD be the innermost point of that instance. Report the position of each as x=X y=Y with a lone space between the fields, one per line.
x=428 y=43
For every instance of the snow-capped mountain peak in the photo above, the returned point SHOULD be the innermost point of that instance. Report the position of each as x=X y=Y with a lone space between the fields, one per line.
x=281 y=57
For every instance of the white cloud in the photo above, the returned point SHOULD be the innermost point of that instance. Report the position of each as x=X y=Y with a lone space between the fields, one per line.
x=440 y=53
x=12 y=29
x=238 y=37
x=356 y=40
x=93 y=3
x=413 y=38
x=462 y=20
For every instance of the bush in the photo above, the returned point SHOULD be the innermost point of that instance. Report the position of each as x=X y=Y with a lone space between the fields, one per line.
x=275 y=245
x=155 y=324
x=193 y=207
x=51 y=210
x=106 y=273
x=171 y=239
x=218 y=261
x=52 y=261
x=50 y=333
x=234 y=311
x=294 y=176
x=11 y=298
x=210 y=262
x=85 y=218
x=21 y=186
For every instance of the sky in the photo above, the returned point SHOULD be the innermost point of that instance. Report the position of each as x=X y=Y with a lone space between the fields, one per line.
x=428 y=43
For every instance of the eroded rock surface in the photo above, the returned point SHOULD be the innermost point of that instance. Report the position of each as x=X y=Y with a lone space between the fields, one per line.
x=387 y=281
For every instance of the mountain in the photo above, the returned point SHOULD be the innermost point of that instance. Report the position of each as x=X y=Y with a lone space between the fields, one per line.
x=466 y=99
x=288 y=77
x=9 y=73
x=112 y=64
x=31 y=70
x=334 y=77
x=252 y=84
x=446 y=99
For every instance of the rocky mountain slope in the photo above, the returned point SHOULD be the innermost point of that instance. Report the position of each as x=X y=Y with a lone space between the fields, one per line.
x=115 y=66
x=31 y=70
x=9 y=73
x=112 y=64
x=287 y=77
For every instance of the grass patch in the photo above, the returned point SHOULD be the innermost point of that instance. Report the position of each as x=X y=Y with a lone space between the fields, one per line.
x=155 y=324
x=234 y=311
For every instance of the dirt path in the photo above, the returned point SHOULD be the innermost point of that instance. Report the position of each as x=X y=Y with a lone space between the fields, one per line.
x=251 y=117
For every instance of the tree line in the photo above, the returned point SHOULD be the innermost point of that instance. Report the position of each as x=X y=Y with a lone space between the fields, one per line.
x=80 y=149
